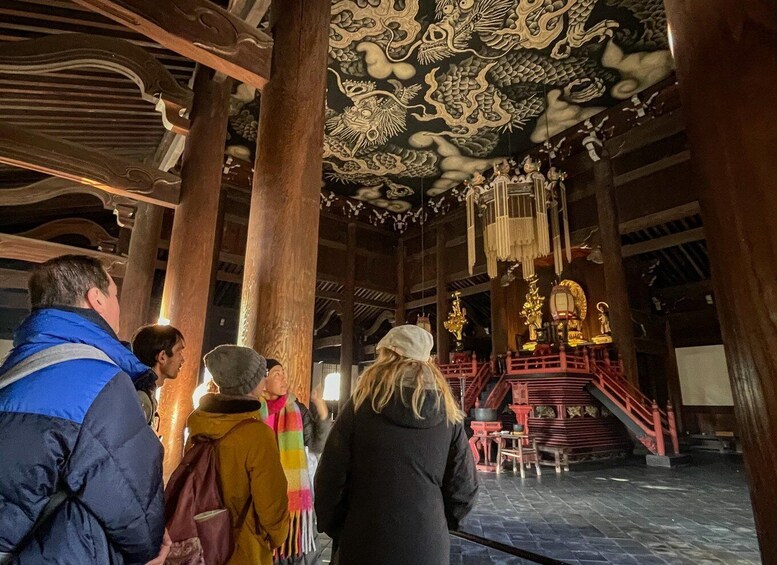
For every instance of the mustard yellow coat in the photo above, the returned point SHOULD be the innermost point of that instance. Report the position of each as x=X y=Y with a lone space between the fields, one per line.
x=249 y=468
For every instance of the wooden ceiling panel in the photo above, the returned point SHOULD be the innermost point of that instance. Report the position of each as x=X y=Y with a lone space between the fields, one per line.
x=93 y=107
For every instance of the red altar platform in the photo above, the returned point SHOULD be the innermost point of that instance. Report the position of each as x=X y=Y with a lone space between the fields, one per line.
x=552 y=401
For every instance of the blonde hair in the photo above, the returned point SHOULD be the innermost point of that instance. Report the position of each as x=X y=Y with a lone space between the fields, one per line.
x=390 y=373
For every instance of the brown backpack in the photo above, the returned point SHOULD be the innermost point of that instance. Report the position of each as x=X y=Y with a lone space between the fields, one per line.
x=197 y=521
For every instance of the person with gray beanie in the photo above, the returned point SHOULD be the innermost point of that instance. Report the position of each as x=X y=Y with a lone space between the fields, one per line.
x=249 y=461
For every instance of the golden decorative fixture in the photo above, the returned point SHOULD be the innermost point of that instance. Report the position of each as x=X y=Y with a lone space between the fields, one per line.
x=532 y=312
x=569 y=308
x=604 y=324
x=456 y=319
x=515 y=209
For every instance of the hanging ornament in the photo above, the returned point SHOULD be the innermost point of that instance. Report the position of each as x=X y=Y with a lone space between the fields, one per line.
x=515 y=208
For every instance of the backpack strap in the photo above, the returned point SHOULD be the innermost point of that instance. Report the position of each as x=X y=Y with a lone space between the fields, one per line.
x=36 y=362
x=244 y=512
x=51 y=356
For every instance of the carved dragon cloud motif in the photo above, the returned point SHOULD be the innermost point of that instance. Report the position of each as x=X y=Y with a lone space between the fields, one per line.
x=422 y=93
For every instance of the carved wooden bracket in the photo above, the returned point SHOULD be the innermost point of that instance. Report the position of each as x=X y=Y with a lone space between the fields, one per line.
x=46 y=189
x=92 y=231
x=78 y=163
x=199 y=30
x=37 y=251
x=79 y=50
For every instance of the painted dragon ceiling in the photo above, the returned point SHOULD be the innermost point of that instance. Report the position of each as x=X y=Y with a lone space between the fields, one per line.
x=423 y=93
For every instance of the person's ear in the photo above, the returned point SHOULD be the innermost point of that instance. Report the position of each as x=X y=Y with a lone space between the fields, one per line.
x=161 y=357
x=95 y=299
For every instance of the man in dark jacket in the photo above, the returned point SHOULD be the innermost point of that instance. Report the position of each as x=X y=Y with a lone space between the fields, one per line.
x=73 y=430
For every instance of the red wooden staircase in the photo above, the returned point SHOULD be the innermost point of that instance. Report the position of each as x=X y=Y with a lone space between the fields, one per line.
x=467 y=380
x=652 y=426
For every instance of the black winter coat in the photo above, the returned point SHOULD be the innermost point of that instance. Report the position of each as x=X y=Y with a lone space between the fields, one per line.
x=390 y=486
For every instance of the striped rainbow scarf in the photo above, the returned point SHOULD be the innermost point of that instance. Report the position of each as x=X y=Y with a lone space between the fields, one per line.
x=291 y=444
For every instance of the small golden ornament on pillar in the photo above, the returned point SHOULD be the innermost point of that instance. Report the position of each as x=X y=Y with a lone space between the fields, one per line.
x=532 y=312
x=604 y=324
x=456 y=320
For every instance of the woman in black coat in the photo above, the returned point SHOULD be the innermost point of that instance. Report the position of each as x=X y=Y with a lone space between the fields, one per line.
x=396 y=473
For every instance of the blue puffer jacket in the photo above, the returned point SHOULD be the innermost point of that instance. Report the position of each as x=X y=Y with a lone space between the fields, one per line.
x=78 y=426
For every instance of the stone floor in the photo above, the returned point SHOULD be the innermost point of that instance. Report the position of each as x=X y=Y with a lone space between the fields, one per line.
x=623 y=513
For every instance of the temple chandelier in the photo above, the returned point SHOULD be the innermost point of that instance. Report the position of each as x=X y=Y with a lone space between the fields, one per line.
x=522 y=215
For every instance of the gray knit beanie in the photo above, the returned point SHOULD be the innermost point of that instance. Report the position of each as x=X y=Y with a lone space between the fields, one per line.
x=235 y=369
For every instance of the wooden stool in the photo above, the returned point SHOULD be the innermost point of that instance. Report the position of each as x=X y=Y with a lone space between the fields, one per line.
x=522 y=456
x=560 y=457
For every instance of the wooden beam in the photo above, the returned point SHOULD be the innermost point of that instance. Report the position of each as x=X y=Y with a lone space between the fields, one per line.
x=11 y=278
x=90 y=230
x=688 y=236
x=327 y=342
x=653 y=168
x=662 y=217
x=60 y=52
x=659 y=128
x=81 y=164
x=199 y=30
x=331 y=295
x=38 y=251
x=468 y=291
x=52 y=187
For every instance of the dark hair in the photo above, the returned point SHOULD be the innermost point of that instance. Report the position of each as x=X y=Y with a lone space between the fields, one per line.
x=150 y=340
x=65 y=280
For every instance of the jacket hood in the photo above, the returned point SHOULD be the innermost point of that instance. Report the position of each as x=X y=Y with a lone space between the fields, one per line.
x=47 y=327
x=218 y=414
x=400 y=412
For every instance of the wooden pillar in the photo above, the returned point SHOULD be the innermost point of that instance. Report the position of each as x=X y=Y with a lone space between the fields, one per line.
x=498 y=315
x=443 y=337
x=726 y=58
x=279 y=282
x=672 y=374
x=400 y=315
x=346 y=317
x=193 y=252
x=141 y=264
x=614 y=273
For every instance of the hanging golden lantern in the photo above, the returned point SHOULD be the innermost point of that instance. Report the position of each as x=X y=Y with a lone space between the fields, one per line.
x=562 y=303
x=424 y=323
x=514 y=209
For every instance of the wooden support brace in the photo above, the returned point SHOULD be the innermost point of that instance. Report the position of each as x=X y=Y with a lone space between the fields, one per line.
x=81 y=164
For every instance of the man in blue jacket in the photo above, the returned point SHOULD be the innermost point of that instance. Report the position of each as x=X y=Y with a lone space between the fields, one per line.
x=80 y=471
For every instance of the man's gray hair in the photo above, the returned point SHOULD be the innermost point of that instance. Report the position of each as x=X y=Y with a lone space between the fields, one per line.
x=65 y=280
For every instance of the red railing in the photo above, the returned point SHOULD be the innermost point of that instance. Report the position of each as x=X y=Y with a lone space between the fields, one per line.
x=498 y=393
x=643 y=411
x=562 y=362
x=468 y=379
x=476 y=386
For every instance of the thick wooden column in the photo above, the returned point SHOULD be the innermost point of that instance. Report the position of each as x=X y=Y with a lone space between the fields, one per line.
x=400 y=315
x=498 y=315
x=614 y=273
x=279 y=283
x=346 y=317
x=443 y=337
x=141 y=263
x=193 y=252
x=726 y=57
